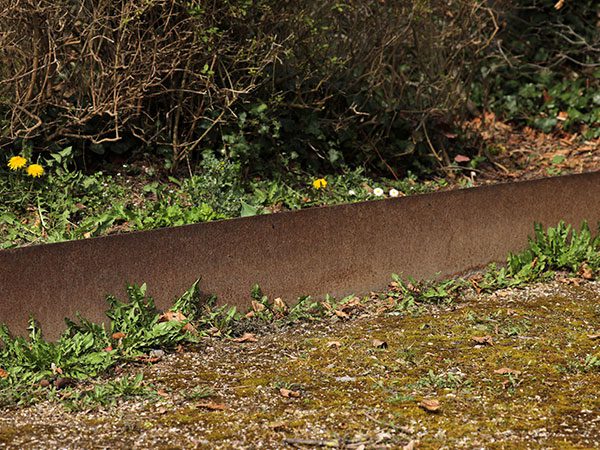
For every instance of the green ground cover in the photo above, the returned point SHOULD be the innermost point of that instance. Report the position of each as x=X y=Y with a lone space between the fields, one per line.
x=65 y=203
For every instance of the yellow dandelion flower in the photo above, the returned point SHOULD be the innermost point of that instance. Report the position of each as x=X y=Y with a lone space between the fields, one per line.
x=321 y=183
x=16 y=162
x=35 y=170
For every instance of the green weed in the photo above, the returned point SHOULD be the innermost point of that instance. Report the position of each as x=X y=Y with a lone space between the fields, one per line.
x=559 y=248
x=410 y=292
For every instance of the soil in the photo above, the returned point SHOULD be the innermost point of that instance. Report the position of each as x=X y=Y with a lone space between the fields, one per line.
x=512 y=369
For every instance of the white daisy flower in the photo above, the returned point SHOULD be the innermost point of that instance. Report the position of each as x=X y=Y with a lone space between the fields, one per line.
x=394 y=193
x=377 y=192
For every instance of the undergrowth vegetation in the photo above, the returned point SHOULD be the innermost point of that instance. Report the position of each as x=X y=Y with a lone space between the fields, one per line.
x=545 y=72
x=72 y=369
x=272 y=86
x=68 y=204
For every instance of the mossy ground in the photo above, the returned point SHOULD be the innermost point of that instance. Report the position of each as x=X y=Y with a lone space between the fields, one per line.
x=353 y=393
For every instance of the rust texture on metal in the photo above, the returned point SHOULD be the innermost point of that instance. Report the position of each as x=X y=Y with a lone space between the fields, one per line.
x=338 y=250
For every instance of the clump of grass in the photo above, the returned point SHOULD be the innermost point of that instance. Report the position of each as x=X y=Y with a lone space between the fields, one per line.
x=559 y=248
x=86 y=350
x=409 y=293
x=447 y=380
x=107 y=393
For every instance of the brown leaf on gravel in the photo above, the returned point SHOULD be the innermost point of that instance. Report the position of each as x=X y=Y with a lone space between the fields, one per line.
x=162 y=393
x=213 y=406
x=148 y=359
x=341 y=314
x=353 y=303
x=430 y=405
x=327 y=306
x=586 y=272
x=569 y=281
x=246 y=337
x=3 y=373
x=287 y=393
x=379 y=344
x=483 y=340
x=336 y=344
x=475 y=283
x=118 y=335
x=257 y=306
x=507 y=371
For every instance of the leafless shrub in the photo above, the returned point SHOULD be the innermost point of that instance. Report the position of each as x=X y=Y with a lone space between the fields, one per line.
x=171 y=72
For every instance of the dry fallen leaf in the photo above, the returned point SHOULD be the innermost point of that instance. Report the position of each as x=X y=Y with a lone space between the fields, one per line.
x=55 y=369
x=246 y=337
x=3 y=373
x=257 y=306
x=570 y=281
x=430 y=405
x=586 y=272
x=162 y=393
x=118 y=335
x=461 y=158
x=341 y=314
x=147 y=359
x=591 y=336
x=483 y=340
x=279 y=305
x=379 y=344
x=559 y=4
x=507 y=371
x=212 y=406
x=172 y=316
x=336 y=344
x=287 y=393
x=177 y=316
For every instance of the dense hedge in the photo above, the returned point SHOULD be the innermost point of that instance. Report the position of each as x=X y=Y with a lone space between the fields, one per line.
x=315 y=84
x=319 y=82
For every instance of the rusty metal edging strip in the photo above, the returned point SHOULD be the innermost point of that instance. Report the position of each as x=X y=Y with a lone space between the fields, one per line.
x=338 y=250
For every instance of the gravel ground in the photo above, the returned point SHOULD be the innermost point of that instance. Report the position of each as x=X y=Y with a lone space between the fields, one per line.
x=501 y=370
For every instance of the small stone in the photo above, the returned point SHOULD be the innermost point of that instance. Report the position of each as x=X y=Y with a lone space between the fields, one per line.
x=156 y=354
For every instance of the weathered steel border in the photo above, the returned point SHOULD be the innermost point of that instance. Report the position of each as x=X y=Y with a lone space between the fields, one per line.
x=338 y=250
